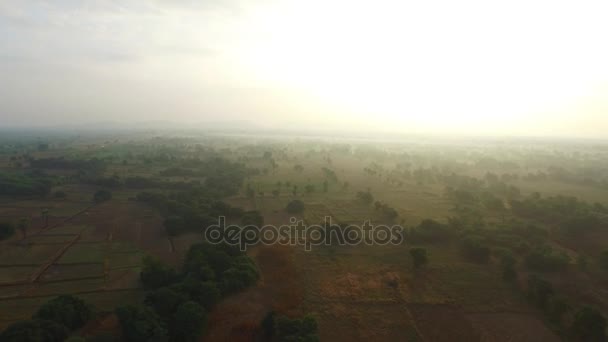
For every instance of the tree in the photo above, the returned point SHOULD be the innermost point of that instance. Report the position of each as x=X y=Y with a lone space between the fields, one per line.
x=188 y=323
x=45 y=216
x=165 y=301
x=23 y=225
x=252 y=218
x=35 y=330
x=6 y=230
x=155 y=274
x=60 y=194
x=102 y=196
x=205 y=293
x=474 y=249
x=604 y=260
x=268 y=325
x=419 y=257
x=365 y=197
x=589 y=325
x=299 y=168
x=507 y=262
x=141 y=324
x=309 y=188
x=174 y=225
x=325 y=186
x=67 y=310
x=295 y=207
x=539 y=291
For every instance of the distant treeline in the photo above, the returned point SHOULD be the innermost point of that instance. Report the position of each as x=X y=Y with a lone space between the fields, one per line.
x=24 y=185
x=67 y=164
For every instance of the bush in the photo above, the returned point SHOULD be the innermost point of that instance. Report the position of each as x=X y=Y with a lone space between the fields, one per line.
x=304 y=329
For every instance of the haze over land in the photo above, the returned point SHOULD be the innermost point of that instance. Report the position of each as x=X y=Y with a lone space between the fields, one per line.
x=466 y=67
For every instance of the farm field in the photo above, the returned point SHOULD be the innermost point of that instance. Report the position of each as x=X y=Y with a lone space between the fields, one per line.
x=488 y=231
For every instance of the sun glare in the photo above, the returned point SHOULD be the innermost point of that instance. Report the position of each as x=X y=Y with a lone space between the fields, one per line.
x=450 y=64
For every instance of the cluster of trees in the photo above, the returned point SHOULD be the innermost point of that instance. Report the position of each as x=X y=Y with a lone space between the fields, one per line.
x=16 y=185
x=547 y=260
x=573 y=216
x=53 y=322
x=177 y=303
x=92 y=165
x=587 y=324
x=193 y=208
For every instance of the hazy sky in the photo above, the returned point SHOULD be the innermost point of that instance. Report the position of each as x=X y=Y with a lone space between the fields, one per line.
x=507 y=67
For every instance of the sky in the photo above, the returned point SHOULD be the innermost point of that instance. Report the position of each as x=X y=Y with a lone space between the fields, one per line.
x=533 y=67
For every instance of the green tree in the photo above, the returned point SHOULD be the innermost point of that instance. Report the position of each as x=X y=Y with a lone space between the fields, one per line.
x=35 y=330
x=295 y=207
x=141 y=324
x=45 y=216
x=419 y=257
x=6 y=230
x=189 y=322
x=102 y=196
x=165 y=301
x=365 y=197
x=589 y=325
x=23 y=225
x=156 y=274
x=304 y=329
x=604 y=260
x=67 y=310
x=539 y=291
x=205 y=293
